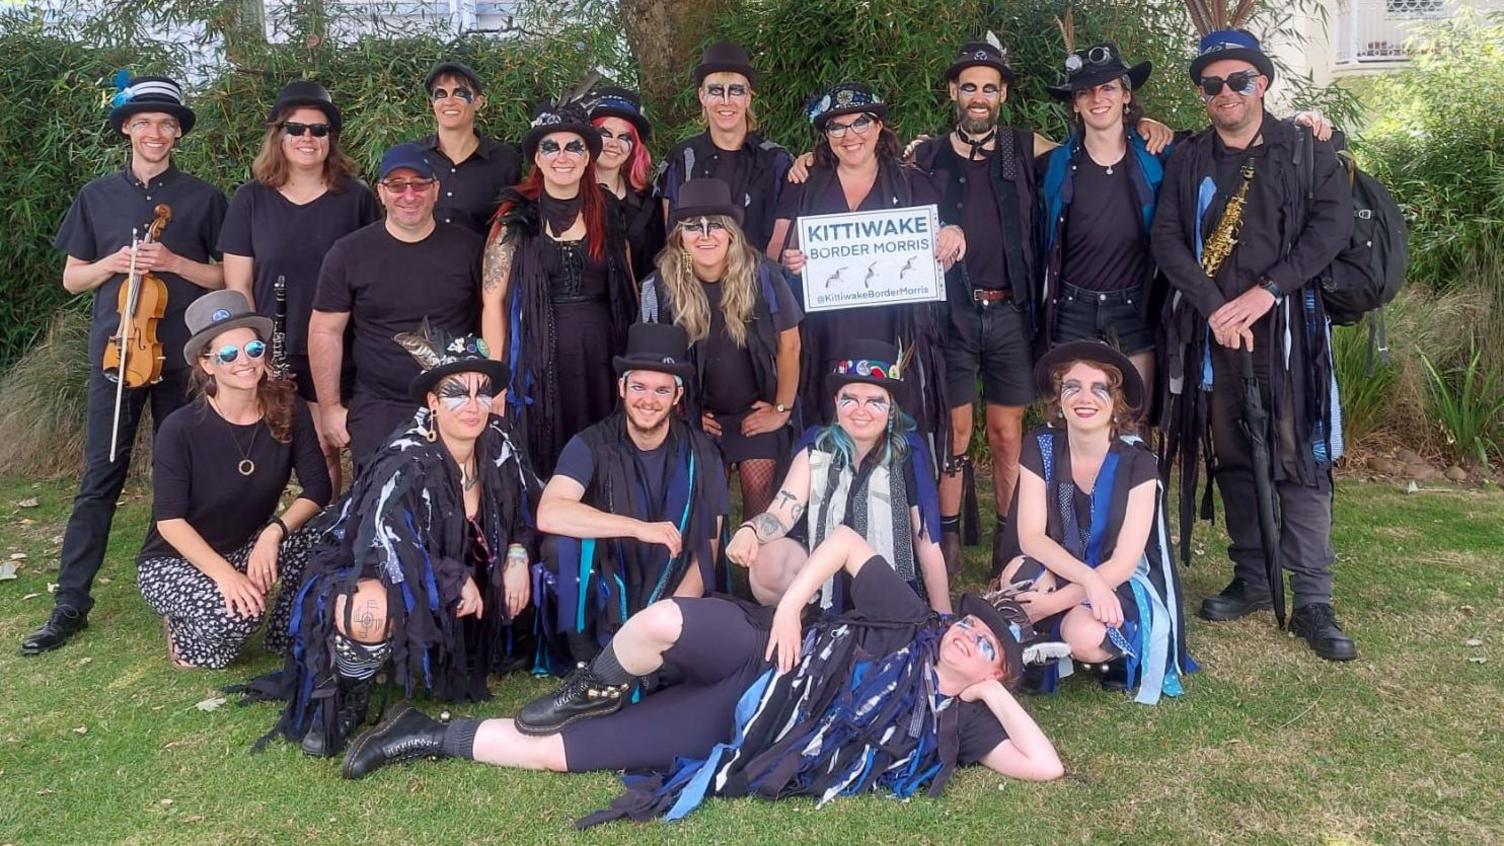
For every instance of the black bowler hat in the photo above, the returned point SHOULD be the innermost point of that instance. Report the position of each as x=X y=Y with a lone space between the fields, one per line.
x=1008 y=622
x=1237 y=44
x=306 y=92
x=725 y=57
x=1092 y=352
x=549 y=118
x=448 y=68
x=151 y=94
x=704 y=198
x=662 y=347
x=1095 y=65
x=869 y=362
x=614 y=101
x=984 y=53
x=441 y=354
x=845 y=98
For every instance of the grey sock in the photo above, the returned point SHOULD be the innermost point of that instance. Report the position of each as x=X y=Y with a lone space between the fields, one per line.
x=459 y=739
x=608 y=669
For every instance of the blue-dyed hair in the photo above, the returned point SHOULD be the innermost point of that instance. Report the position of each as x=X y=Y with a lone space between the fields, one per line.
x=833 y=438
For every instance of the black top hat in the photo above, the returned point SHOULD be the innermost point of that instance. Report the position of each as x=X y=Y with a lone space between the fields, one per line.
x=218 y=312
x=1095 y=65
x=723 y=56
x=440 y=355
x=1095 y=352
x=455 y=69
x=997 y=619
x=704 y=198
x=844 y=98
x=663 y=347
x=549 y=118
x=624 y=103
x=974 y=53
x=1230 y=44
x=870 y=362
x=151 y=94
x=306 y=92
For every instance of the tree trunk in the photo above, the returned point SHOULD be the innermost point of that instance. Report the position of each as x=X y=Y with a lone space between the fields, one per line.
x=665 y=37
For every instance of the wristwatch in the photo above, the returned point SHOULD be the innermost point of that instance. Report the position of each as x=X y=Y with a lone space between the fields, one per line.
x=1272 y=287
x=781 y=408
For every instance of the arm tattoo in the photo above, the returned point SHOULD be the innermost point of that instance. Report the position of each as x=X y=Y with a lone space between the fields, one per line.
x=498 y=263
x=767 y=527
x=787 y=498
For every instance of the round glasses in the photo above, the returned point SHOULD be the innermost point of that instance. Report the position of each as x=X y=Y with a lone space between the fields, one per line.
x=227 y=354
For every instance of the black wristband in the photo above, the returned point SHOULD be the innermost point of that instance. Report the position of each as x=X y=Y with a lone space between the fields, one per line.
x=277 y=521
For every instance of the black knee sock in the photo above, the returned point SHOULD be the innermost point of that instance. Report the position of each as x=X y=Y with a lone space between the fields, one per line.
x=608 y=669
x=1002 y=522
x=459 y=739
x=950 y=523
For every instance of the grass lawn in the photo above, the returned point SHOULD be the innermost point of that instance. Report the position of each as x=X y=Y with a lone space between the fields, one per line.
x=101 y=742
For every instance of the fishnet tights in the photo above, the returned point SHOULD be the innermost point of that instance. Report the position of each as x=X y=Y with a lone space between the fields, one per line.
x=758 y=484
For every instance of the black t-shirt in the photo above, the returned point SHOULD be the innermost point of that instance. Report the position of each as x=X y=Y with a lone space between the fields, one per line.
x=389 y=286
x=984 y=262
x=577 y=462
x=1106 y=248
x=732 y=167
x=100 y=222
x=470 y=191
x=730 y=383
x=290 y=240
x=879 y=595
x=1135 y=463
x=195 y=475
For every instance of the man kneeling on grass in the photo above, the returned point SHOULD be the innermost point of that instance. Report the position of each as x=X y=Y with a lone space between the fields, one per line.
x=888 y=697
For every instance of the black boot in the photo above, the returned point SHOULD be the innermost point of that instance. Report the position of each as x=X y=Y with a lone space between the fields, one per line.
x=62 y=625
x=999 y=551
x=404 y=734
x=582 y=695
x=1233 y=603
x=354 y=705
x=950 y=547
x=1317 y=623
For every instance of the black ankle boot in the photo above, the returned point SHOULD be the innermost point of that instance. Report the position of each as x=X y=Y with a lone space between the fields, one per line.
x=582 y=695
x=1233 y=603
x=404 y=734
x=62 y=624
x=354 y=705
x=1317 y=623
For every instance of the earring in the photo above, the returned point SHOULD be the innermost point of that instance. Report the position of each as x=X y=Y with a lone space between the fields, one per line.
x=430 y=426
x=686 y=264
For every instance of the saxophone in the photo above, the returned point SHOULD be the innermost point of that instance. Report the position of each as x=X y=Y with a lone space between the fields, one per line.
x=279 y=330
x=1222 y=240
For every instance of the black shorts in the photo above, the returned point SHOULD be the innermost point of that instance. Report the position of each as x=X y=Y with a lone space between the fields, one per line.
x=1119 y=318
x=719 y=654
x=995 y=341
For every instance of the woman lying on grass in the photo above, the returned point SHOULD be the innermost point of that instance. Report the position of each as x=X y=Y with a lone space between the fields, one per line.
x=889 y=697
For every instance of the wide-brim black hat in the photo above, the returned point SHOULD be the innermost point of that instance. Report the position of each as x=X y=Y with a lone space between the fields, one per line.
x=151 y=94
x=1239 y=44
x=980 y=53
x=308 y=93
x=1002 y=629
x=846 y=98
x=868 y=362
x=662 y=347
x=571 y=117
x=441 y=355
x=218 y=312
x=1094 y=352
x=704 y=198
x=725 y=57
x=1082 y=73
x=621 y=103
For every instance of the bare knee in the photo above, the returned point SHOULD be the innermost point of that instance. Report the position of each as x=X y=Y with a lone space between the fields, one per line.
x=1012 y=569
x=1004 y=432
x=1083 y=634
x=367 y=613
x=661 y=622
x=960 y=427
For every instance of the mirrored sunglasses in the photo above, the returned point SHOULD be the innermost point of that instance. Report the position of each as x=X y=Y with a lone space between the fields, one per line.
x=227 y=354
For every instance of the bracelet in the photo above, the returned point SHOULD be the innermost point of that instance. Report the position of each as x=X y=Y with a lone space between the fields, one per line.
x=277 y=521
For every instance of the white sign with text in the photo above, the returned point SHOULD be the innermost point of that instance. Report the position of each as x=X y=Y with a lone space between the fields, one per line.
x=870 y=258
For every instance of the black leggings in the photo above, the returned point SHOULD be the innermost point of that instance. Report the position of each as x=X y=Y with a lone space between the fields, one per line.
x=719 y=653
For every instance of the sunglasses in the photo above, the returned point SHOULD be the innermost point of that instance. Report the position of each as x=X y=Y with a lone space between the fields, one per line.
x=723 y=92
x=984 y=643
x=837 y=131
x=625 y=137
x=400 y=186
x=1242 y=82
x=705 y=227
x=551 y=148
x=455 y=395
x=459 y=93
x=227 y=354
x=296 y=129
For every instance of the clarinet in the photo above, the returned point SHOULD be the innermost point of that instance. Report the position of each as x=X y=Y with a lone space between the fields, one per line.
x=279 y=330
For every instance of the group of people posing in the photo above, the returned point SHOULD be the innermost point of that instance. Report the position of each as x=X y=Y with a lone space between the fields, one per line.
x=546 y=363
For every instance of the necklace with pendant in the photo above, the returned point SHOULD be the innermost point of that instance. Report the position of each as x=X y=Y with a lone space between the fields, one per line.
x=246 y=466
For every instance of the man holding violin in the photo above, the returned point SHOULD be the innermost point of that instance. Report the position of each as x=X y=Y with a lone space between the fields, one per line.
x=100 y=236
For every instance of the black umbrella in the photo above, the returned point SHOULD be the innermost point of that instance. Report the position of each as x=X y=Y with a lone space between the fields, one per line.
x=1255 y=425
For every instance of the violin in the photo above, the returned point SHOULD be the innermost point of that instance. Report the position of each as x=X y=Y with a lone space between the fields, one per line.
x=133 y=357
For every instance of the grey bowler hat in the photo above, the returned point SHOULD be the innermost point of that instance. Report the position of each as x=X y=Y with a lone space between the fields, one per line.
x=215 y=313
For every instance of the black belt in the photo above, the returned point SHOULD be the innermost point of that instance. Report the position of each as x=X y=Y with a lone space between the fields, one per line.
x=1122 y=295
x=577 y=300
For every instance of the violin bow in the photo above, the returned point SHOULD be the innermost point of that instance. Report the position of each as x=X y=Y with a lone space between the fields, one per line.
x=122 y=339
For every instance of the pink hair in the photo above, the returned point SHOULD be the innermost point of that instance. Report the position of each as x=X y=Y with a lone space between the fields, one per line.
x=639 y=163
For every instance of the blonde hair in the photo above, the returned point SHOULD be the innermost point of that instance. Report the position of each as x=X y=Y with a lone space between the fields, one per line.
x=686 y=294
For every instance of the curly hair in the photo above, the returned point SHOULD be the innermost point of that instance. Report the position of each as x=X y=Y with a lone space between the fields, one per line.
x=686 y=294
x=887 y=147
x=275 y=397
x=1124 y=416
